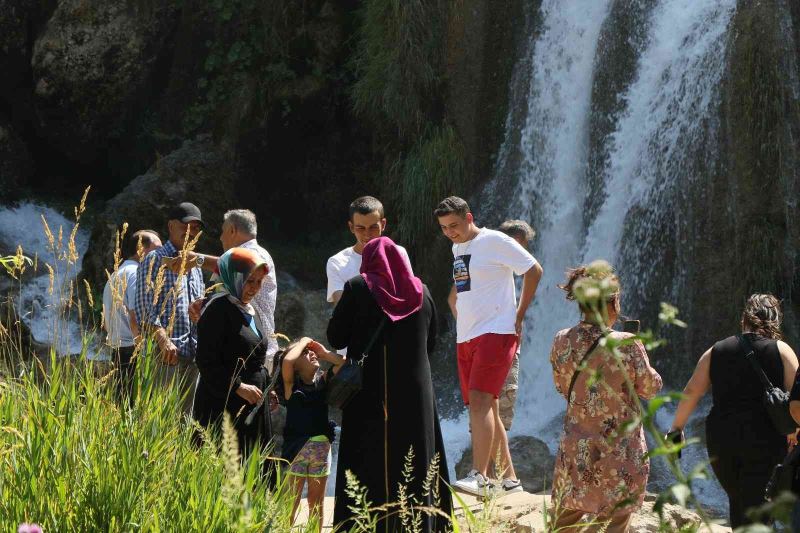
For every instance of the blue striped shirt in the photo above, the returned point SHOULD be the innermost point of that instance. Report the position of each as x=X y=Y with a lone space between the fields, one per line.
x=176 y=293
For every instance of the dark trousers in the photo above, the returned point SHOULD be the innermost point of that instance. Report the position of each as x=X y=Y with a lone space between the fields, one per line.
x=743 y=457
x=124 y=376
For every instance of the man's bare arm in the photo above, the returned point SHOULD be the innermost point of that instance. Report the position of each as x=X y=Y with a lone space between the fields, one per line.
x=134 y=325
x=530 y=281
x=451 y=301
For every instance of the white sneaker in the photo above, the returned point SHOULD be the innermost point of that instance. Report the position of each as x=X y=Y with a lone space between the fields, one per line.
x=475 y=483
x=510 y=486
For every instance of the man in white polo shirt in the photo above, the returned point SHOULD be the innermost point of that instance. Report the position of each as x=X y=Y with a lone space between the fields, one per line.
x=488 y=326
x=119 y=300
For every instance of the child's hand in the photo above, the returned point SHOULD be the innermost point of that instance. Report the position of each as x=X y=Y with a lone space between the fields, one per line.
x=316 y=347
x=320 y=350
x=324 y=354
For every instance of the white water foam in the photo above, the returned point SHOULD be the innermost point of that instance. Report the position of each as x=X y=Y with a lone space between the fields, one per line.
x=41 y=312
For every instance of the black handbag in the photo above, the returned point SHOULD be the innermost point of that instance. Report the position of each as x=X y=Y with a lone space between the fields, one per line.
x=783 y=475
x=775 y=399
x=346 y=383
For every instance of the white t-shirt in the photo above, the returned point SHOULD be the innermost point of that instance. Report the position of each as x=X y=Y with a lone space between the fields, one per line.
x=343 y=266
x=115 y=312
x=483 y=272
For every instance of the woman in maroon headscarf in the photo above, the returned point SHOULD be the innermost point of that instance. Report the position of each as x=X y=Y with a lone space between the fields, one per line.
x=396 y=409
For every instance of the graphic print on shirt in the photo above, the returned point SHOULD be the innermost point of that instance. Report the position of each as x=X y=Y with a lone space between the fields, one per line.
x=461 y=273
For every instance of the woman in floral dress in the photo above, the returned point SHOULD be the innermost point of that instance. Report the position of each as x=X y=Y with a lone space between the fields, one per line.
x=600 y=470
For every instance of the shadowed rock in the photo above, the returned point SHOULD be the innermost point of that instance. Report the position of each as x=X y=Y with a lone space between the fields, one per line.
x=196 y=173
x=16 y=165
x=91 y=65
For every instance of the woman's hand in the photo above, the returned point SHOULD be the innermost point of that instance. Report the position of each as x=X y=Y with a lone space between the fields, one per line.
x=249 y=393
x=791 y=440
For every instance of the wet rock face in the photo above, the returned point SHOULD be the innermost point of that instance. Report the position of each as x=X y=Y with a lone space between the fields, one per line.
x=197 y=172
x=745 y=236
x=16 y=164
x=532 y=459
x=19 y=22
x=90 y=66
x=300 y=311
x=14 y=16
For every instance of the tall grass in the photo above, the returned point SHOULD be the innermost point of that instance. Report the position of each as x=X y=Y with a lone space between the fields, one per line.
x=73 y=458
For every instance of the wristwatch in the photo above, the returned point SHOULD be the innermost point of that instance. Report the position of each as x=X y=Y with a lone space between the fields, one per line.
x=199 y=260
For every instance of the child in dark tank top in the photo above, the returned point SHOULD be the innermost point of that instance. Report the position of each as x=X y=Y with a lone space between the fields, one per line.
x=308 y=432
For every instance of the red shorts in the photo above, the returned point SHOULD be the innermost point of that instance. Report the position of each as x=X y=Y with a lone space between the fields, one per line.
x=484 y=362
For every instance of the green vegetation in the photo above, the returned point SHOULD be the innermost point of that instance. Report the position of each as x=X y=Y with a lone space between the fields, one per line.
x=398 y=62
x=247 y=56
x=399 y=68
x=433 y=169
x=73 y=459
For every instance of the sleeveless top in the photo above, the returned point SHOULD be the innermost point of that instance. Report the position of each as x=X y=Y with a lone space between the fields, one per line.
x=735 y=387
x=306 y=416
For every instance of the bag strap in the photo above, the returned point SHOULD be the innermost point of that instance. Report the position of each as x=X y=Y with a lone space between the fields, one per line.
x=750 y=355
x=371 y=343
x=580 y=365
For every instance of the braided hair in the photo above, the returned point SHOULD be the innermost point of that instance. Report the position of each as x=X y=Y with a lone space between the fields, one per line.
x=762 y=315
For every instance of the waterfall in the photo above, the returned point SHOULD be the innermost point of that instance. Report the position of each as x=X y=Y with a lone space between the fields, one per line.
x=661 y=137
x=553 y=150
x=49 y=322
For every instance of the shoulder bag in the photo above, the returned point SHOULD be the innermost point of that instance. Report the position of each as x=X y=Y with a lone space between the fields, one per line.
x=775 y=400
x=580 y=366
x=346 y=383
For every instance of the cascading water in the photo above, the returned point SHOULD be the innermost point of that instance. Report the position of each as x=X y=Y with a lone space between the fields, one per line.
x=554 y=146
x=41 y=310
x=661 y=134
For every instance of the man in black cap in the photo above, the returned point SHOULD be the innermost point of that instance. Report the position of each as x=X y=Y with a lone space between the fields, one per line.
x=162 y=310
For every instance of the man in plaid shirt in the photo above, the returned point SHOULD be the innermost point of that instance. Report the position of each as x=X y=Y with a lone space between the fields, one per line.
x=164 y=311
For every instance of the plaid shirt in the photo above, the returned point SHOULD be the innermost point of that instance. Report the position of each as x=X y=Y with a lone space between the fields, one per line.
x=264 y=300
x=176 y=293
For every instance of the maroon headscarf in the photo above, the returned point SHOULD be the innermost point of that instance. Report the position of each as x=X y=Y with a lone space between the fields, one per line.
x=390 y=279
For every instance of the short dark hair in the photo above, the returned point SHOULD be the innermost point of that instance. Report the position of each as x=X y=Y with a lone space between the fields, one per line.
x=364 y=205
x=131 y=244
x=452 y=205
x=517 y=229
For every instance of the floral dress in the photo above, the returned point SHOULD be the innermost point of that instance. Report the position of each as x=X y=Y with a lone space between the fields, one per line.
x=599 y=467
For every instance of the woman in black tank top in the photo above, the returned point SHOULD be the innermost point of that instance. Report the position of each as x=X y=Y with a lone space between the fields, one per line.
x=742 y=443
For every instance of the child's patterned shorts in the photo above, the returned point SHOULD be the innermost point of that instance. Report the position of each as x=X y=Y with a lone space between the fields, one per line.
x=313 y=459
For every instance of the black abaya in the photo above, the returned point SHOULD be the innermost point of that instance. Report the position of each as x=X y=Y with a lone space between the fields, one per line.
x=229 y=353
x=396 y=374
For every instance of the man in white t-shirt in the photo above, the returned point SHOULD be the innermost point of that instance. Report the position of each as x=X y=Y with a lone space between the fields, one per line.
x=119 y=301
x=488 y=326
x=367 y=222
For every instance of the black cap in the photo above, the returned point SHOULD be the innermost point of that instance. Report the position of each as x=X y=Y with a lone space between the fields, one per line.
x=185 y=212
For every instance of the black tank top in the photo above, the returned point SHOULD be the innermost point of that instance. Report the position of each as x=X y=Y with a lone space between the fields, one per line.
x=735 y=386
